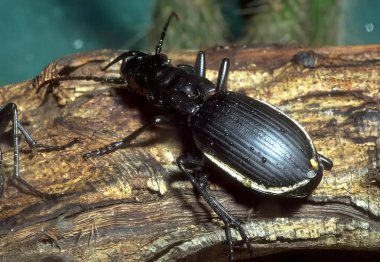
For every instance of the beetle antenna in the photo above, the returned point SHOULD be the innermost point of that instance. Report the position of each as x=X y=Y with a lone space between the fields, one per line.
x=163 y=32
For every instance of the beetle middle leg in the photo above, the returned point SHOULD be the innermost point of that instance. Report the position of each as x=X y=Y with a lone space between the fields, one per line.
x=198 y=179
x=127 y=140
x=8 y=114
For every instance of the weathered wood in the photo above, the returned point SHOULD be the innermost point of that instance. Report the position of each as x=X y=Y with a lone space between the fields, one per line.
x=134 y=205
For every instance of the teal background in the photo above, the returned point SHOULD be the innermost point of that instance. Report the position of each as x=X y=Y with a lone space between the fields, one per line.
x=34 y=33
x=359 y=23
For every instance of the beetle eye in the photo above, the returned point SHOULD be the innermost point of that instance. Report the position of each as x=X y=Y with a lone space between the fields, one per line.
x=313 y=164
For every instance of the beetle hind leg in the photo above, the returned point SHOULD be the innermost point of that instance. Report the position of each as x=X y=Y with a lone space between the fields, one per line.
x=326 y=162
x=1 y=174
x=199 y=181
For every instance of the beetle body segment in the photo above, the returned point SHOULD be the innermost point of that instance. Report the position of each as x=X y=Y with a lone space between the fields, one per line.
x=257 y=144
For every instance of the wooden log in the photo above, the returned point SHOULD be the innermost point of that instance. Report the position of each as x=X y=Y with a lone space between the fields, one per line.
x=134 y=205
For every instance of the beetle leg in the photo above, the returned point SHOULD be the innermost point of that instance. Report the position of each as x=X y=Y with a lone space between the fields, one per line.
x=9 y=114
x=43 y=147
x=1 y=174
x=127 y=140
x=195 y=164
x=326 y=162
x=227 y=230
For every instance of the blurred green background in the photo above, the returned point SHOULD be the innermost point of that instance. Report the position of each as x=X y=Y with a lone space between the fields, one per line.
x=34 y=33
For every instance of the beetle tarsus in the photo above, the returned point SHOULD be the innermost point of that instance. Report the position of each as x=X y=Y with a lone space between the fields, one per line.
x=45 y=147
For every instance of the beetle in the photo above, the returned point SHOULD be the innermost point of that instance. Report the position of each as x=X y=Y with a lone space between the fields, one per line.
x=247 y=139
x=9 y=113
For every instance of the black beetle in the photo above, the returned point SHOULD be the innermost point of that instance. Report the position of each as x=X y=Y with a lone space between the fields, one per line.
x=250 y=140
x=9 y=113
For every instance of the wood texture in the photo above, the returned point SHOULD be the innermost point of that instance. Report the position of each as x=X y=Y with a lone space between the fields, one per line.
x=134 y=205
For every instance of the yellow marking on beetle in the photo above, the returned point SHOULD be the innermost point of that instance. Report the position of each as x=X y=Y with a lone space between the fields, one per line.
x=274 y=190
x=313 y=164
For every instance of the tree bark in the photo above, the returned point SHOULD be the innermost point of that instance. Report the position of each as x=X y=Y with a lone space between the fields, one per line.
x=134 y=205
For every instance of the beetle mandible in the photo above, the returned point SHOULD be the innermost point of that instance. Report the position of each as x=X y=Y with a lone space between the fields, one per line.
x=247 y=139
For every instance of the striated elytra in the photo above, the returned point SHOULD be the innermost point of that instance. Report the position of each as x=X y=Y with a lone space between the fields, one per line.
x=258 y=145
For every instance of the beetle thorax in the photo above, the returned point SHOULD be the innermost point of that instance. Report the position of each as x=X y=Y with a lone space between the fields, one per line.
x=184 y=92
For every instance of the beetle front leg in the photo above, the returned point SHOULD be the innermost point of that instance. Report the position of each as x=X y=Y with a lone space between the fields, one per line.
x=199 y=181
x=34 y=145
x=9 y=113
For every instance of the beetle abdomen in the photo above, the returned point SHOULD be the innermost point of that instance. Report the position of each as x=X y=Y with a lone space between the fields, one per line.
x=257 y=144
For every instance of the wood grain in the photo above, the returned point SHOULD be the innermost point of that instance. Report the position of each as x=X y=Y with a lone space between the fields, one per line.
x=134 y=205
